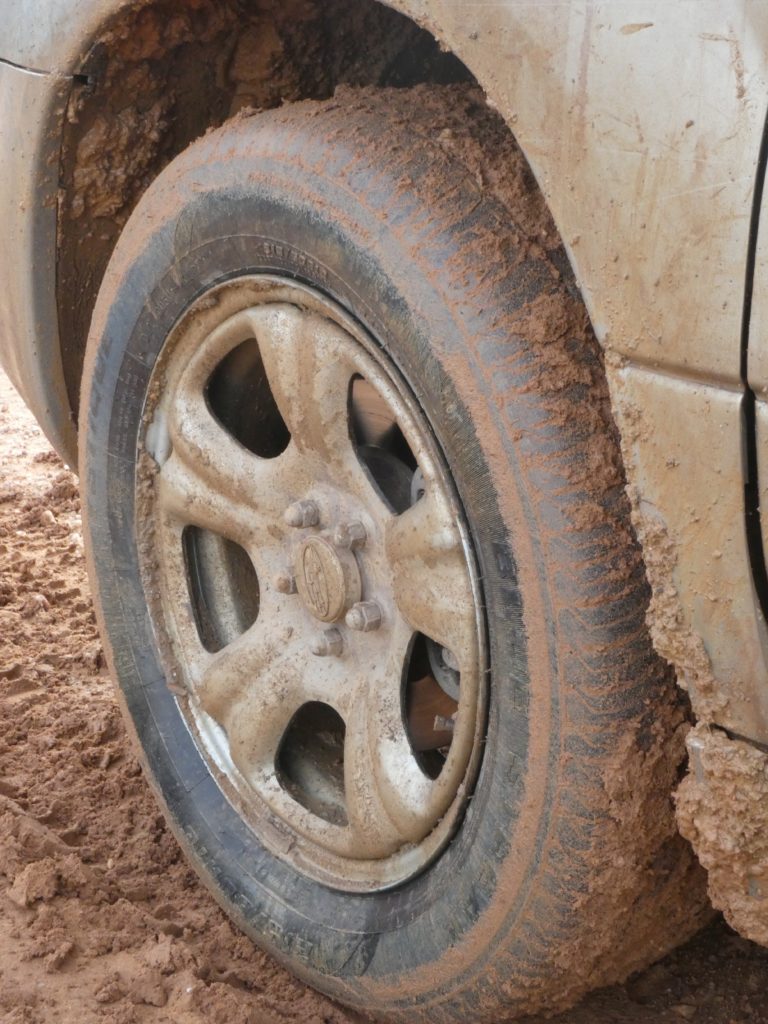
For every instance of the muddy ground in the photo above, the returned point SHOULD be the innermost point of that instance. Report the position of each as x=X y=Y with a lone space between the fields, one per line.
x=102 y=921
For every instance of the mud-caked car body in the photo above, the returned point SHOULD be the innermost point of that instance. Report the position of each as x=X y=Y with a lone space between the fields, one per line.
x=428 y=191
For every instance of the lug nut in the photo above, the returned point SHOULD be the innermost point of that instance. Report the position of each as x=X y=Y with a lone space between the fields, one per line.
x=330 y=643
x=302 y=514
x=350 y=535
x=285 y=584
x=364 y=616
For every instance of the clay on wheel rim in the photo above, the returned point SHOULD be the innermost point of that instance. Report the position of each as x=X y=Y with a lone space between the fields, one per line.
x=298 y=592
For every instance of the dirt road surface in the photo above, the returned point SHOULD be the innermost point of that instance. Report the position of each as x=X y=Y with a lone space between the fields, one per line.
x=102 y=921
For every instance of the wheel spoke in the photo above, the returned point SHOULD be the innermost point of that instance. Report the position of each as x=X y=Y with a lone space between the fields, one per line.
x=191 y=499
x=430 y=575
x=308 y=369
x=224 y=677
x=216 y=464
x=252 y=688
x=259 y=721
x=388 y=796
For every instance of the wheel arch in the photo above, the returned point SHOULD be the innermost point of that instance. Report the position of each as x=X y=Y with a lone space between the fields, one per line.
x=150 y=78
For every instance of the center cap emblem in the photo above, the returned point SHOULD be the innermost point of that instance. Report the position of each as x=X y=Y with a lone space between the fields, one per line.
x=327 y=581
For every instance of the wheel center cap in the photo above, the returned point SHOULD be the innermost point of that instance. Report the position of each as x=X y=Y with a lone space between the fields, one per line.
x=327 y=580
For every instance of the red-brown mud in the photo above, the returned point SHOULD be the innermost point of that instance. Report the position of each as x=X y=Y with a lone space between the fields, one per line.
x=722 y=806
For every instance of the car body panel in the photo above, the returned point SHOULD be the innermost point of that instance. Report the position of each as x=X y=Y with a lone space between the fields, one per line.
x=642 y=121
x=28 y=317
x=686 y=485
x=758 y=325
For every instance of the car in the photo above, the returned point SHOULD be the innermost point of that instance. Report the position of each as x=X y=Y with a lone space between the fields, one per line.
x=411 y=356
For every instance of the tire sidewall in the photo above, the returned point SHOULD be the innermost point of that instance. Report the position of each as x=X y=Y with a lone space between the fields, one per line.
x=211 y=242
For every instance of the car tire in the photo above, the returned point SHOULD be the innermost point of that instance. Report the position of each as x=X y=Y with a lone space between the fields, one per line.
x=413 y=214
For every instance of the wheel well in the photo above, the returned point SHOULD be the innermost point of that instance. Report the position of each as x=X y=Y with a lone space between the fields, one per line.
x=162 y=73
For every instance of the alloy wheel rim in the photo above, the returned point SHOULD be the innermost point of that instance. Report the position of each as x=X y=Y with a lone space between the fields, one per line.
x=301 y=578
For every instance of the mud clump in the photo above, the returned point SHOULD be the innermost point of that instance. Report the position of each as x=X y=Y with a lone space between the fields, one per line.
x=722 y=808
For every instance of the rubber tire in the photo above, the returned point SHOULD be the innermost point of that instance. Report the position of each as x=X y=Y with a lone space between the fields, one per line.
x=415 y=212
